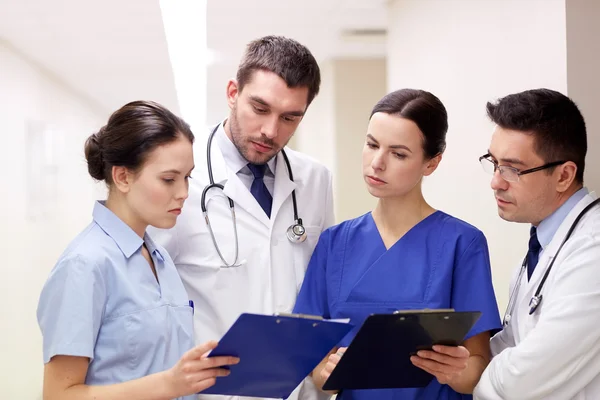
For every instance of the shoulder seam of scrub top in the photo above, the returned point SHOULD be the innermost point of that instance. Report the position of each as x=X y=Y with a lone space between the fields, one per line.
x=83 y=259
x=478 y=235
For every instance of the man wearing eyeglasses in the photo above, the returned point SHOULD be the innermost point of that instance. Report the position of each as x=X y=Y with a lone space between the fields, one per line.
x=549 y=347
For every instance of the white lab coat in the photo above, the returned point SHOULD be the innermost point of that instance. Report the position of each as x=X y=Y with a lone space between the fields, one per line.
x=272 y=268
x=554 y=353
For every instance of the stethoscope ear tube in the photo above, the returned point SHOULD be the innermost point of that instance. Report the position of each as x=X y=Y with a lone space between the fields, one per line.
x=206 y=189
x=210 y=230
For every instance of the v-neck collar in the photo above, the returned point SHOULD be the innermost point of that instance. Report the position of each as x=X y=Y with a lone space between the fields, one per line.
x=421 y=222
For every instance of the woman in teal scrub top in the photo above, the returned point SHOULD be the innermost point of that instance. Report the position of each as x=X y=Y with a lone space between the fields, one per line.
x=114 y=315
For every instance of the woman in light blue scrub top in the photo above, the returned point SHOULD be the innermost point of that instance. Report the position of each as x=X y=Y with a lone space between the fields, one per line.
x=114 y=315
x=405 y=254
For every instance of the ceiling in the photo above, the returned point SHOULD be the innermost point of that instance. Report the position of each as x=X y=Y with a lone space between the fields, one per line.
x=109 y=51
x=114 y=51
x=319 y=24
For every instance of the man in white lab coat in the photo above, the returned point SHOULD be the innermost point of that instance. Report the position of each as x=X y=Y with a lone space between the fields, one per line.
x=276 y=81
x=550 y=346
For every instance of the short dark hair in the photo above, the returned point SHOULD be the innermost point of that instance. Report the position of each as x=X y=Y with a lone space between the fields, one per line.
x=422 y=108
x=552 y=118
x=132 y=132
x=284 y=57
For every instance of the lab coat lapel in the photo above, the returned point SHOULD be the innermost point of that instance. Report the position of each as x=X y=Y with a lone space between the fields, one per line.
x=241 y=196
x=283 y=186
x=233 y=187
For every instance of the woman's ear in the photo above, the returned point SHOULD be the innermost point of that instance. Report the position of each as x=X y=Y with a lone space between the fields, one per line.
x=432 y=164
x=122 y=179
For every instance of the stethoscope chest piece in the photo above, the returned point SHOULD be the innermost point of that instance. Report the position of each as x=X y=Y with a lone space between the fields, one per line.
x=296 y=233
x=534 y=303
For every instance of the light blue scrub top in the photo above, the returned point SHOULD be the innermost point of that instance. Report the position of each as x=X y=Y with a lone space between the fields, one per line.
x=102 y=301
x=442 y=262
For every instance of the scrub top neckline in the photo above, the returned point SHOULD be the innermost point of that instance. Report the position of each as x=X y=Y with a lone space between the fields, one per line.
x=421 y=222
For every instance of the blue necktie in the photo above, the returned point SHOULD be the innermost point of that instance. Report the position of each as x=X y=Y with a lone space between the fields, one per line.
x=533 y=253
x=259 y=189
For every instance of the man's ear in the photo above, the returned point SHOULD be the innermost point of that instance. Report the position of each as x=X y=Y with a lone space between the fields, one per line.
x=565 y=175
x=232 y=92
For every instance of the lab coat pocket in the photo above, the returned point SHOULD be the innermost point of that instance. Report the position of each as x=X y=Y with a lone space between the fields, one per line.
x=312 y=236
x=303 y=251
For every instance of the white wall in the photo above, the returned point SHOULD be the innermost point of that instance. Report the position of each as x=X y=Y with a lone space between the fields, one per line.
x=467 y=53
x=359 y=84
x=334 y=128
x=31 y=247
x=315 y=135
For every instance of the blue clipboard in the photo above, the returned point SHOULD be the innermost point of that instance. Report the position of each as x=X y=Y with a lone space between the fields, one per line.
x=276 y=353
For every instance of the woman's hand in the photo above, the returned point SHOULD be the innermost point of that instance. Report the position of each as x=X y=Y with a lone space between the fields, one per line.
x=195 y=371
x=332 y=362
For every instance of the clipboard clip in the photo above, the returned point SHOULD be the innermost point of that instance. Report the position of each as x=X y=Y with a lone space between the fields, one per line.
x=425 y=310
x=303 y=316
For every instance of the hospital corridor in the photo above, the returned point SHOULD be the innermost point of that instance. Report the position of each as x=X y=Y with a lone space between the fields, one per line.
x=361 y=199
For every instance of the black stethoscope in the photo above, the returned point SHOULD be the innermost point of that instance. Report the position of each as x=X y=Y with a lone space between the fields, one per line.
x=536 y=300
x=296 y=233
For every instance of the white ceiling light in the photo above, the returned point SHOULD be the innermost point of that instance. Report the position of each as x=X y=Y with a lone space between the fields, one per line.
x=185 y=29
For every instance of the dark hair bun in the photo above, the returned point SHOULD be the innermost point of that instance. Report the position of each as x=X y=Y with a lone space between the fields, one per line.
x=93 y=155
x=130 y=135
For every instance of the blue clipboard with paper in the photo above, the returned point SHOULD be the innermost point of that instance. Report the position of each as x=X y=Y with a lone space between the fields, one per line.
x=276 y=353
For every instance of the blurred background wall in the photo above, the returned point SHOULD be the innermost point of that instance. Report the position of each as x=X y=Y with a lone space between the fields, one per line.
x=65 y=65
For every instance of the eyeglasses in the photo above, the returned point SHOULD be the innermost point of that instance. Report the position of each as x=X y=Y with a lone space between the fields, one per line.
x=507 y=173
